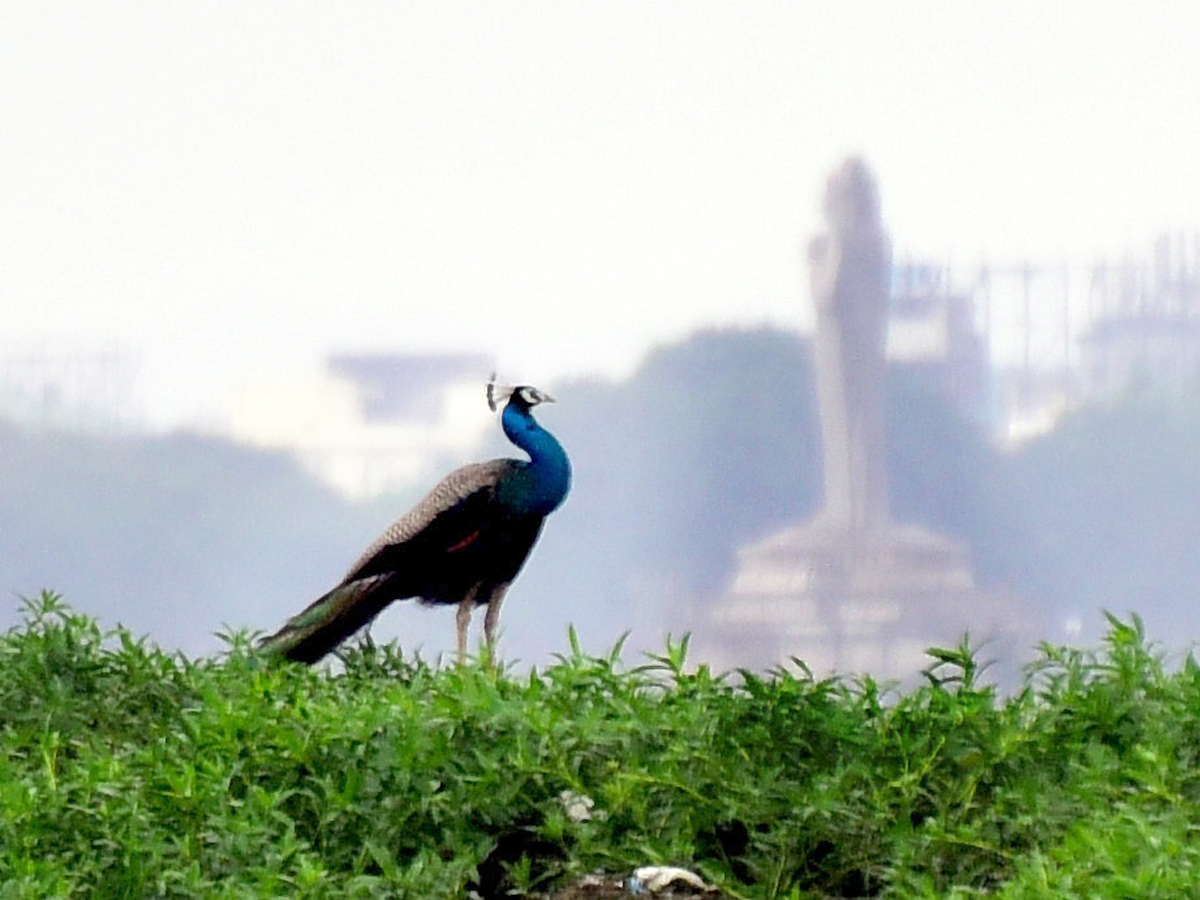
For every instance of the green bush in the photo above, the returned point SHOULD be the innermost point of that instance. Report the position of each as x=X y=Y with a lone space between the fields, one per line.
x=129 y=772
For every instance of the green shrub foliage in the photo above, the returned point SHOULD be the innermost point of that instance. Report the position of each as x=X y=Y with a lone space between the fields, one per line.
x=129 y=772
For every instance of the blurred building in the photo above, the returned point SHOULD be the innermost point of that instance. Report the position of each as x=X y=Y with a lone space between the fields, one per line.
x=932 y=334
x=372 y=423
x=1145 y=322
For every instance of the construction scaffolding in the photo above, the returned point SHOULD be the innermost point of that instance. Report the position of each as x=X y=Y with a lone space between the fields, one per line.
x=1145 y=321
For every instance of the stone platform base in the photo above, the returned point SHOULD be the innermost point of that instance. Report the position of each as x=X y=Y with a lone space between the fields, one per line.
x=853 y=602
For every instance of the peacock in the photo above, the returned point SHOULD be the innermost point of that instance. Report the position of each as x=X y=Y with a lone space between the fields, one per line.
x=463 y=544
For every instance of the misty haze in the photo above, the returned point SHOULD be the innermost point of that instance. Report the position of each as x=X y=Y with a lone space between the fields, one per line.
x=258 y=268
x=182 y=535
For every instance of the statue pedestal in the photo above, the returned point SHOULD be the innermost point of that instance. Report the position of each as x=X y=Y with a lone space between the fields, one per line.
x=870 y=600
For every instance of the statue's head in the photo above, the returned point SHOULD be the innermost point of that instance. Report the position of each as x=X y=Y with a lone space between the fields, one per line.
x=852 y=198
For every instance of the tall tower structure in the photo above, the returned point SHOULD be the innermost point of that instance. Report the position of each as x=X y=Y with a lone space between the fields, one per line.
x=850 y=267
x=851 y=589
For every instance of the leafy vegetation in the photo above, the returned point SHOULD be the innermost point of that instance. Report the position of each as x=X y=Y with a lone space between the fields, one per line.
x=128 y=772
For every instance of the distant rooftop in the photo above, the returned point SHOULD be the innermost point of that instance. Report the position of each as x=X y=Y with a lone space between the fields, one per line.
x=404 y=387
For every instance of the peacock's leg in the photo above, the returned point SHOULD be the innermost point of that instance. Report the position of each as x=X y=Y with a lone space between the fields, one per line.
x=492 y=618
x=462 y=619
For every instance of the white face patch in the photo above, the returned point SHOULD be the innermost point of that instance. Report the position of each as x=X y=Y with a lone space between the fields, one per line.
x=532 y=396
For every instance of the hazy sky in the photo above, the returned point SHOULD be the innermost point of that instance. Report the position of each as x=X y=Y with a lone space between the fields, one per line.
x=231 y=188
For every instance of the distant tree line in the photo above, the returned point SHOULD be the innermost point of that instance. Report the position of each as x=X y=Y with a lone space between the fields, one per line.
x=176 y=536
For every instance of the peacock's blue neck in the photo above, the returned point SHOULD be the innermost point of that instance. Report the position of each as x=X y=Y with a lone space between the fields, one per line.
x=546 y=478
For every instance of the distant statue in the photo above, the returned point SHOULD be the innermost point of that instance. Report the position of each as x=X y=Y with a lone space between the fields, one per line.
x=850 y=267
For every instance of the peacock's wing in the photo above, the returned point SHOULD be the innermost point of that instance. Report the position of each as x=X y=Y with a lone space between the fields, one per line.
x=448 y=519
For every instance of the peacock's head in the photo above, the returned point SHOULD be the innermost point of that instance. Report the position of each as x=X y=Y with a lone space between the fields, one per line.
x=522 y=394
